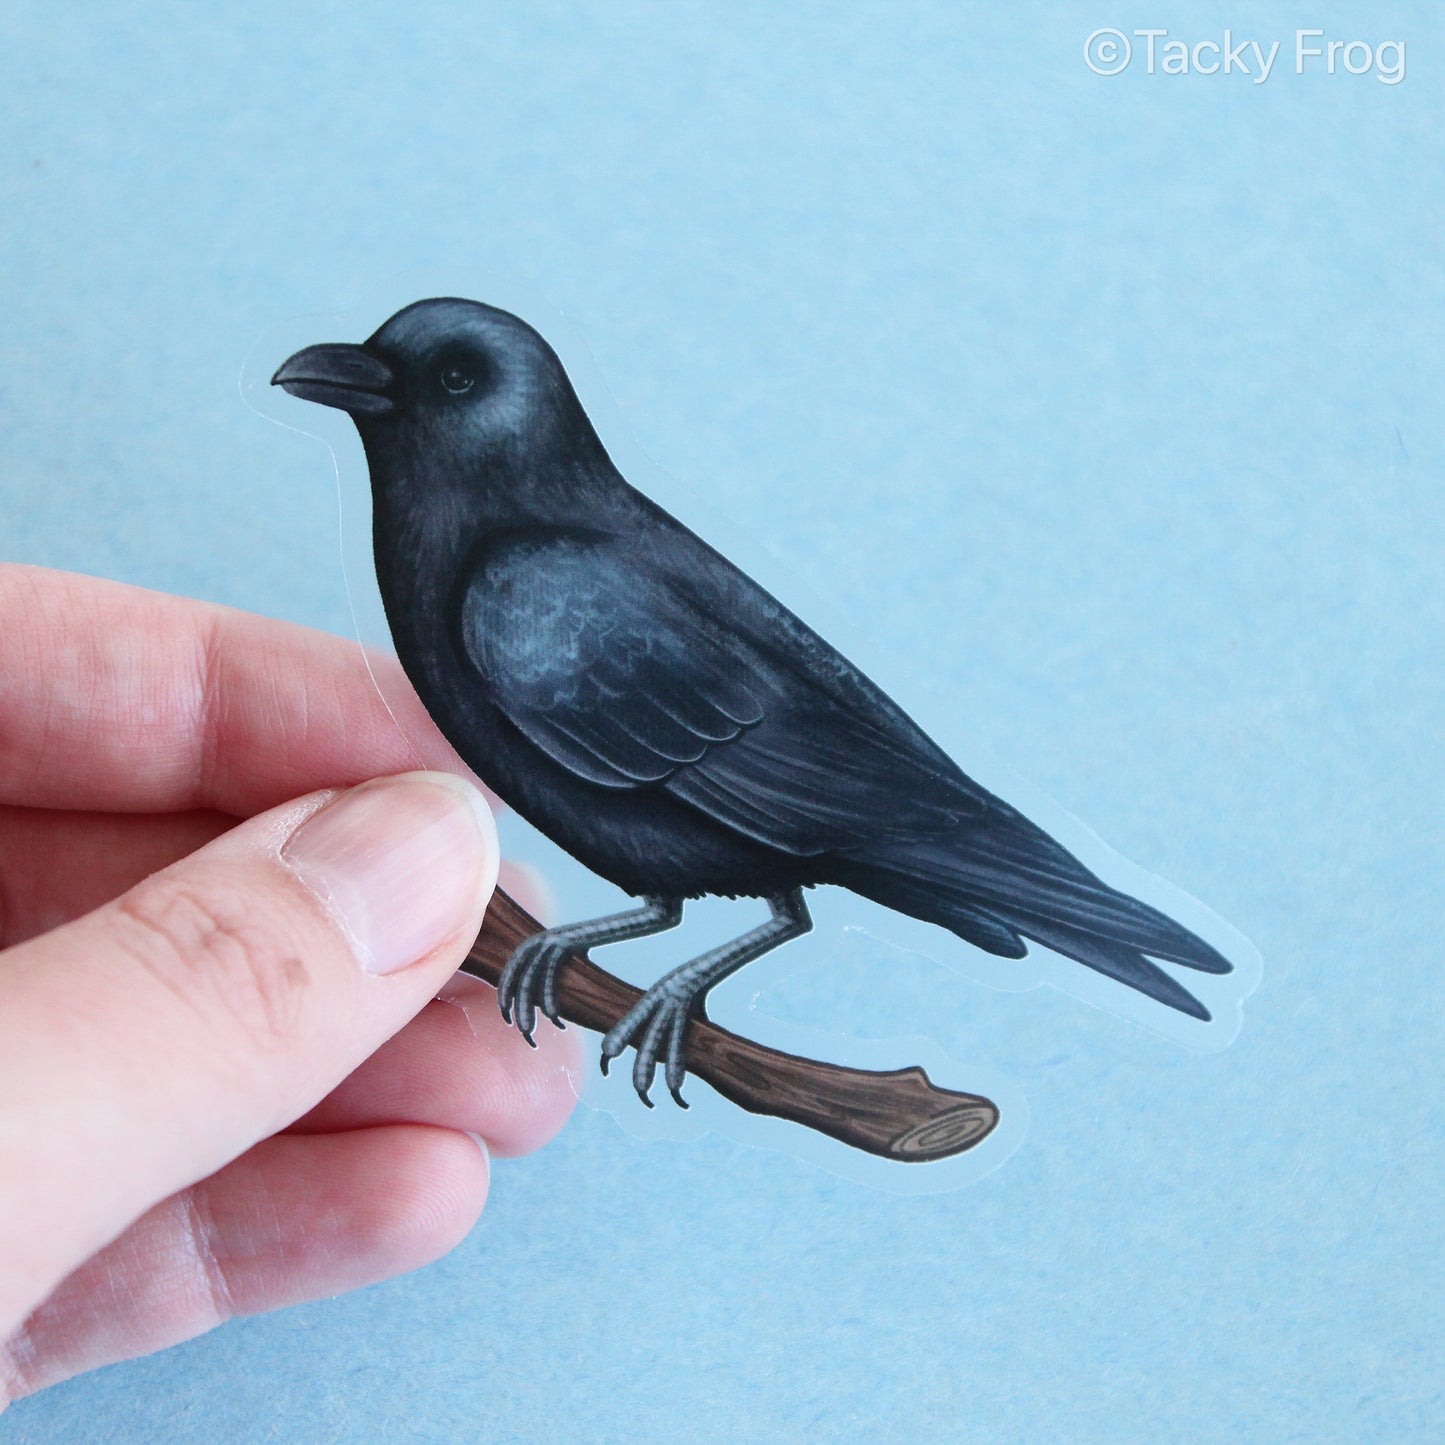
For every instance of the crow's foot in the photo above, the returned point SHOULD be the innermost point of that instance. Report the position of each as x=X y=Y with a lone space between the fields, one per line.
x=657 y=1025
x=529 y=981
x=530 y=978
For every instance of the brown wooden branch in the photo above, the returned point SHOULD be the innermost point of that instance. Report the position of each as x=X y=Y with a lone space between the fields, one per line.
x=899 y=1114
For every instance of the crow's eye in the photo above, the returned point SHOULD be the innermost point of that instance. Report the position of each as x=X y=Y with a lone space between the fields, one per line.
x=456 y=380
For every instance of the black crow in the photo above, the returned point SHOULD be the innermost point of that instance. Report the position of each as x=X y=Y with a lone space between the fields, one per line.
x=652 y=709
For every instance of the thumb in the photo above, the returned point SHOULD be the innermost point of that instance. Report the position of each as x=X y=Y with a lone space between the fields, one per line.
x=150 y=1042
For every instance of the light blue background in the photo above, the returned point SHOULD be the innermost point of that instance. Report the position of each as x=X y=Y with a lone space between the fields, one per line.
x=1109 y=406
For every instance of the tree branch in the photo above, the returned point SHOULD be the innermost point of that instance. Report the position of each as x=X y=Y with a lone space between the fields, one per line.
x=899 y=1114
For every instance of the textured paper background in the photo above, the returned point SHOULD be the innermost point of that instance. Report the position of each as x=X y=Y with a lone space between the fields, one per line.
x=1107 y=408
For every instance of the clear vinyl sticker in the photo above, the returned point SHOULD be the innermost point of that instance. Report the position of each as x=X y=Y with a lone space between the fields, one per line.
x=721 y=790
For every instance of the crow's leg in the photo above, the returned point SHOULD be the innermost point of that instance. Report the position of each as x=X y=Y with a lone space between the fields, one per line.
x=657 y=1022
x=533 y=968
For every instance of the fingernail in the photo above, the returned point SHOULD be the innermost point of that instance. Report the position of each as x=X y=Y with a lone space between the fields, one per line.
x=403 y=864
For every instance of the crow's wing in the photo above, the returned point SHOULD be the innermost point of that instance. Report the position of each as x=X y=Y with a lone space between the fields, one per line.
x=623 y=678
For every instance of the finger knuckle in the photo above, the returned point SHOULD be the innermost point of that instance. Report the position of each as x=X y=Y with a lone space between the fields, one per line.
x=218 y=953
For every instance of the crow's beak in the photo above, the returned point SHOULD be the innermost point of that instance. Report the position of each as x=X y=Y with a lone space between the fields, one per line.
x=339 y=375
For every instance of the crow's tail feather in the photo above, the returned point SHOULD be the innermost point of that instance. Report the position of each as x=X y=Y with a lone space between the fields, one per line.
x=1117 y=960
x=1007 y=880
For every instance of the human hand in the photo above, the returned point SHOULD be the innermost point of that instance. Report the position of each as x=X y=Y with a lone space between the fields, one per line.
x=227 y=1085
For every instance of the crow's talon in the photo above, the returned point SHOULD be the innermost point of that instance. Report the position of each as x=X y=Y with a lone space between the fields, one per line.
x=549 y=997
x=644 y=1064
x=676 y=1070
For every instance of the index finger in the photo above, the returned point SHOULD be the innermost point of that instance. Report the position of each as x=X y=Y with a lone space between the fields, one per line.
x=115 y=698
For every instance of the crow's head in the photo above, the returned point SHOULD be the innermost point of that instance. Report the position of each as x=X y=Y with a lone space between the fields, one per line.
x=450 y=377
